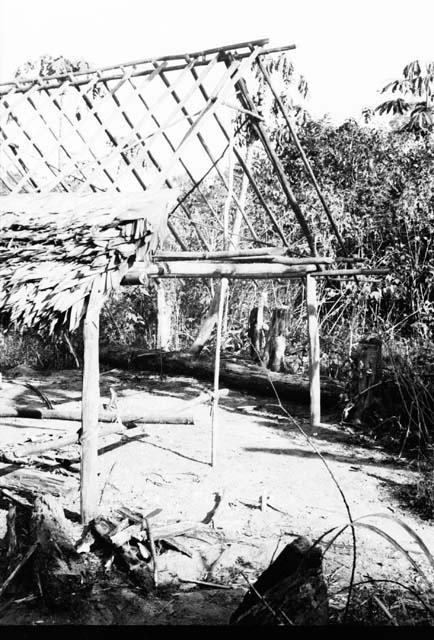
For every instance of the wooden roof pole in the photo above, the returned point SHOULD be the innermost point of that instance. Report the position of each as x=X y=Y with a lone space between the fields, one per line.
x=244 y=167
x=172 y=147
x=303 y=156
x=86 y=72
x=206 y=149
x=247 y=102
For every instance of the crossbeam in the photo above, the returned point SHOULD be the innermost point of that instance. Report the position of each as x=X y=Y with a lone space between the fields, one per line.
x=235 y=271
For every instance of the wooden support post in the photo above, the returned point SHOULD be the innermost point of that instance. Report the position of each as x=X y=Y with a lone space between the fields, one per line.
x=90 y=409
x=214 y=419
x=163 y=317
x=314 y=352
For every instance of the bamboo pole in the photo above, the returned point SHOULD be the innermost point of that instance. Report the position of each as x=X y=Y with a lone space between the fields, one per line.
x=237 y=270
x=57 y=81
x=205 y=146
x=189 y=269
x=314 y=352
x=218 y=255
x=172 y=148
x=353 y=272
x=90 y=408
x=244 y=166
x=248 y=103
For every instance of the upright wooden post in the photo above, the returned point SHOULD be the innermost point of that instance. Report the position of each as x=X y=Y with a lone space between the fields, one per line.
x=314 y=352
x=90 y=409
x=163 y=317
x=214 y=419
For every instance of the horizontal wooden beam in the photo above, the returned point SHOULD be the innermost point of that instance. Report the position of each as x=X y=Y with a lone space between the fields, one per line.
x=82 y=77
x=236 y=270
x=265 y=254
x=218 y=255
x=190 y=269
x=352 y=272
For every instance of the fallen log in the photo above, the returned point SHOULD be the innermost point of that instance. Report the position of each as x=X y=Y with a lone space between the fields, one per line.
x=34 y=482
x=104 y=416
x=25 y=450
x=238 y=375
x=44 y=554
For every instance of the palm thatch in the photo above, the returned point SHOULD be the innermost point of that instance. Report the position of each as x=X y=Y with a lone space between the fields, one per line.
x=54 y=248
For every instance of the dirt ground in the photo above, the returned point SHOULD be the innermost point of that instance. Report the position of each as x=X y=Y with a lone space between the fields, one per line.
x=262 y=459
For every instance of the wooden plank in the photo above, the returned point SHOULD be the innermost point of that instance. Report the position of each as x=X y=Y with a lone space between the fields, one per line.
x=314 y=352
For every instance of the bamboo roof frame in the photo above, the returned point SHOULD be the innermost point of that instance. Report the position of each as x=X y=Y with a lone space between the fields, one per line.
x=102 y=98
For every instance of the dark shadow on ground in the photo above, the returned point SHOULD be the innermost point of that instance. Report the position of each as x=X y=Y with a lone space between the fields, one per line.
x=304 y=453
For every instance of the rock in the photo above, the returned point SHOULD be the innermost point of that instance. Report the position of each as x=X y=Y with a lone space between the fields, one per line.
x=292 y=590
x=173 y=566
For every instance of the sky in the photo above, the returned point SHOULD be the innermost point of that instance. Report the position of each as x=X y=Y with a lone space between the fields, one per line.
x=346 y=49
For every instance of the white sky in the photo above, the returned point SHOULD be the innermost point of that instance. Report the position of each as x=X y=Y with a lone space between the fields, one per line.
x=347 y=49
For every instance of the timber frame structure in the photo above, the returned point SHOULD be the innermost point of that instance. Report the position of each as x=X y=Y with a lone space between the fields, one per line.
x=94 y=165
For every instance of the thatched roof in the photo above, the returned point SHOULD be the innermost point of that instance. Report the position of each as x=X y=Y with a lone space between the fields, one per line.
x=55 y=247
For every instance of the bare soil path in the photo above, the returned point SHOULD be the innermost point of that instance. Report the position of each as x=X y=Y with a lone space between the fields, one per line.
x=271 y=484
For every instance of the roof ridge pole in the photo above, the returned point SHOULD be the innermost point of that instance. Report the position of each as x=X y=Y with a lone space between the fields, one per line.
x=247 y=102
x=303 y=156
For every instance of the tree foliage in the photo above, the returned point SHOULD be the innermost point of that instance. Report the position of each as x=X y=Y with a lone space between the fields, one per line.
x=413 y=103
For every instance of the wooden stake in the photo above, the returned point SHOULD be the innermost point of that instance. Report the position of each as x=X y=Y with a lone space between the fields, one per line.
x=214 y=419
x=90 y=408
x=314 y=352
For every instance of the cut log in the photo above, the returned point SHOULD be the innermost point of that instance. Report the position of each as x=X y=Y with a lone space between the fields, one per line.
x=208 y=322
x=274 y=352
x=367 y=372
x=291 y=591
x=69 y=413
x=236 y=374
x=35 y=482
x=60 y=571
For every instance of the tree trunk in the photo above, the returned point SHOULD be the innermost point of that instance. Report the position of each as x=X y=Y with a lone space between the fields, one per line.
x=367 y=370
x=274 y=353
x=59 y=570
x=164 y=314
x=256 y=329
x=208 y=324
